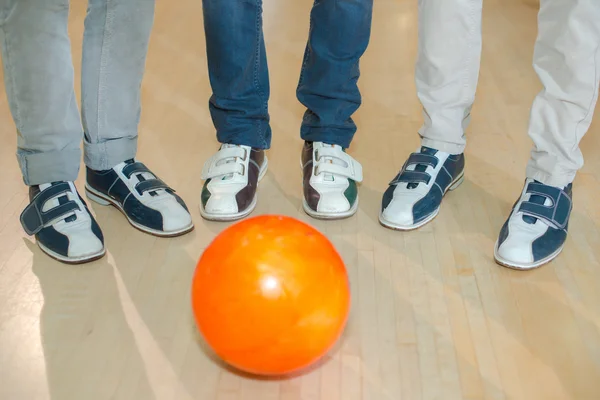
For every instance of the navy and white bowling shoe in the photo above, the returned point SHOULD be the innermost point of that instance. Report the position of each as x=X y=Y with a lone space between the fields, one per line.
x=414 y=196
x=536 y=230
x=62 y=224
x=148 y=203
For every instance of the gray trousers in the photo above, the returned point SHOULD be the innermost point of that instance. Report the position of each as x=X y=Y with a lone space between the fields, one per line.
x=39 y=81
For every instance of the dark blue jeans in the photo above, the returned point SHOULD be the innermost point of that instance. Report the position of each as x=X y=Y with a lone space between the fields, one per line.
x=237 y=64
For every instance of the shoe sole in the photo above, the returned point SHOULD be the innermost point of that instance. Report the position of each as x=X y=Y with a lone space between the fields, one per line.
x=72 y=261
x=329 y=216
x=229 y=217
x=525 y=267
x=104 y=200
x=241 y=215
x=453 y=186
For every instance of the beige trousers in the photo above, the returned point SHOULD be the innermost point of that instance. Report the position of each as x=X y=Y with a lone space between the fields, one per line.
x=566 y=60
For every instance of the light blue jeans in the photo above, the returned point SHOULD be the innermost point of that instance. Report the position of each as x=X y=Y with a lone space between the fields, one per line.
x=39 y=81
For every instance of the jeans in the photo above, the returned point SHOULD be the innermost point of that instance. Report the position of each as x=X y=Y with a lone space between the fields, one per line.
x=39 y=80
x=237 y=63
x=567 y=61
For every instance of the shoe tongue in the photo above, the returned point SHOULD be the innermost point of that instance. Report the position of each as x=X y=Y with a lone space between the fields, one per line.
x=44 y=186
x=141 y=176
x=428 y=150
x=53 y=202
x=144 y=176
x=535 y=199
x=421 y=167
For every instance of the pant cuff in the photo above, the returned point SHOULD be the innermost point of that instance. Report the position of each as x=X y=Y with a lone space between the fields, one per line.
x=556 y=180
x=47 y=167
x=450 y=148
x=105 y=155
x=340 y=137
x=258 y=137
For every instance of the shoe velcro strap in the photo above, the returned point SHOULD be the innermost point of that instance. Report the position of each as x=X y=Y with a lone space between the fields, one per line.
x=351 y=170
x=150 y=185
x=556 y=214
x=33 y=219
x=211 y=170
x=231 y=152
x=412 y=177
x=135 y=168
x=422 y=159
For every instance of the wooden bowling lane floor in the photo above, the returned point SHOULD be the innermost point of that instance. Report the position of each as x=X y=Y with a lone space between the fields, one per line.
x=433 y=317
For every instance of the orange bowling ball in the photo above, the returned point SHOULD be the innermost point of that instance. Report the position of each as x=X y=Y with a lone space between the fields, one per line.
x=270 y=295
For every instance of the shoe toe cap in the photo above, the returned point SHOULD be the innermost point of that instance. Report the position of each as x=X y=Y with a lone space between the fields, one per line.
x=333 y=203
x=515 y=253
x=516 y=247
x=177 y=220
x=400 y=210
x=398 y=214
x=221 y=204
x=84 y=243
x=175 y=217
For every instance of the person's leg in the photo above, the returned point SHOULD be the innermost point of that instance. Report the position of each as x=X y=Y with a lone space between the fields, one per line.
x=447 y=70
x=446 y=75
x=115 y=45
x=567 y=61
x=328 y=87
x=238 y=73
x=338 y=37
x=38 y=76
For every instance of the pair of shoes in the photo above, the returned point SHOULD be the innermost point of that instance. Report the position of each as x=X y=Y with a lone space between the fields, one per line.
x=65 y=229
x=533 y=235
x=330 y=178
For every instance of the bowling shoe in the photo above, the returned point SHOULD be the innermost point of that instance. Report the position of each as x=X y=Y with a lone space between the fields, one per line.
x=62 y=224
x=330 y=181
x=536 y=229
x=148 y=203
x=414 y=196
x=231 y=179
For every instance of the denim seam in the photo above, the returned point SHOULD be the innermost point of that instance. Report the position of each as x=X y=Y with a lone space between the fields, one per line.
x=307 y=50
x=11 y=72
x=17 y=109
x=259 y=123
x=305 y=58
x=103 y=63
